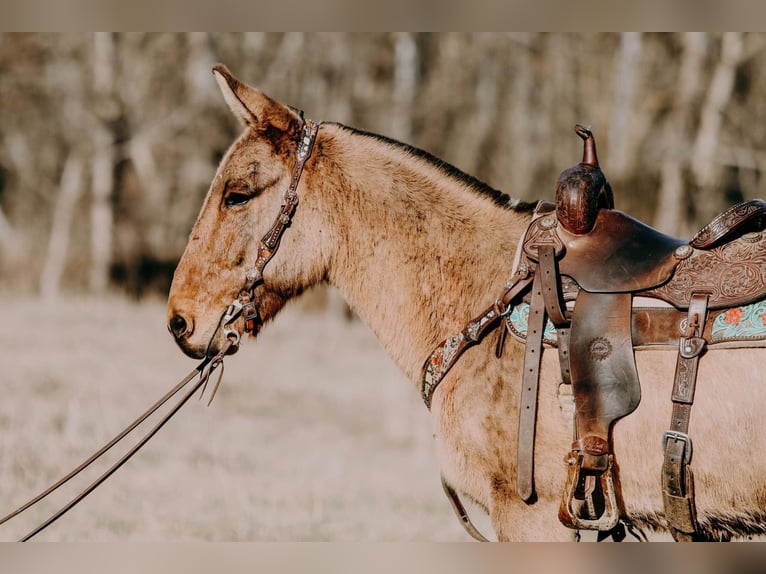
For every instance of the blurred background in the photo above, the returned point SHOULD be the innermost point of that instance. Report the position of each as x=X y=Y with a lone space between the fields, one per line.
x=108 y=141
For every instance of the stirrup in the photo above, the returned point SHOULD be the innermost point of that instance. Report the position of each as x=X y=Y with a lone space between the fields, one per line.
x=610 y=516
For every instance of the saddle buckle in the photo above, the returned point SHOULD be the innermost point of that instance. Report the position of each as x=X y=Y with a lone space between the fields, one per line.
x=579 y=488
x=678 y=436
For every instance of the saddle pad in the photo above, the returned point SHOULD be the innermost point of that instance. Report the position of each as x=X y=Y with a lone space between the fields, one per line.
x=744 y=323
x=742 y=326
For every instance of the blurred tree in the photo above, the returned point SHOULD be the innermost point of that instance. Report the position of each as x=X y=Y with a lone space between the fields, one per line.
x=108 y=113
x=108 y=142
x=678 y=136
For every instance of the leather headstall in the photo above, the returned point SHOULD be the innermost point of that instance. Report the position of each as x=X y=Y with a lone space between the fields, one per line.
x=245 y=302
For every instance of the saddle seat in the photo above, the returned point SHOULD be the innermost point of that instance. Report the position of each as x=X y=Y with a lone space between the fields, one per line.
x=623 y=255
x=619 y=255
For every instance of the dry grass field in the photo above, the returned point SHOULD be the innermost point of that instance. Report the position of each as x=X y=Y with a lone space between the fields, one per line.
x=314 y=434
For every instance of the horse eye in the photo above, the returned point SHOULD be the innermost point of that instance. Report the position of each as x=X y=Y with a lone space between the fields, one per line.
x=236 y=199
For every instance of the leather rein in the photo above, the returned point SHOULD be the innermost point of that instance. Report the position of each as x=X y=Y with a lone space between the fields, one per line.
x=244 y=304
x=204 y=370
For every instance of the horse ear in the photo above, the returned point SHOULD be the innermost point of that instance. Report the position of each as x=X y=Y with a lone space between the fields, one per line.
x=251 y=107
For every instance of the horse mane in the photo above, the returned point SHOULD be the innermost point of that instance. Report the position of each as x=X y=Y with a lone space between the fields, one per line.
x=474 y=184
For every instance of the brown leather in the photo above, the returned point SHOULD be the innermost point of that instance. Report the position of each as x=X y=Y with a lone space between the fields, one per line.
x=655 y=326
x=582 y=487
x=677 y=478
x=449 y=351
x=551 y=286
x=270 y=241
x=542 y=232
x=658 y=327
x=741 y=218
x=619 y=255
x=604 y=376
x=461 y=512
x=733 y=273
x=529 y=387
x=204 y=370
x=582 y=190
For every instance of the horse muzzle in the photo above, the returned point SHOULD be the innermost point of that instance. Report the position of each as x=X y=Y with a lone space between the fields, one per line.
x=197 y=342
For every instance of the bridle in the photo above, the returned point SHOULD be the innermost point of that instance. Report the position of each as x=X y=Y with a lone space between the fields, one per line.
x=244 y=304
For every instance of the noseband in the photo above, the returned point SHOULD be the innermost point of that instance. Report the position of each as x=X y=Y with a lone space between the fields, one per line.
x=245 y=302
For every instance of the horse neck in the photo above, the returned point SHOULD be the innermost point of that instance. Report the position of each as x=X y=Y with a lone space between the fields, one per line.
x=417 y=253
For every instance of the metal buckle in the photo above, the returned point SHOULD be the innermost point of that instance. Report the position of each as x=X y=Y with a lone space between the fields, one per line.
x=250 y=316
x=678 y=436
x=691 y=347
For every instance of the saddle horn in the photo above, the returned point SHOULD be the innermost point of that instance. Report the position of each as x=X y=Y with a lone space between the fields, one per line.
x=583 y=189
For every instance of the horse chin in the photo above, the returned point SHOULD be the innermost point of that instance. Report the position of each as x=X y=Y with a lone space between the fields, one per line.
x=193 y=351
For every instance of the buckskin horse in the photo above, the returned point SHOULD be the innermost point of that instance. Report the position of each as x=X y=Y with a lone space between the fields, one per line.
x=418 y=249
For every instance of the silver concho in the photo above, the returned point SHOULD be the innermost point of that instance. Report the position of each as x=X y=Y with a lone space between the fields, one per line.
x=683 y=251
x=548 y=222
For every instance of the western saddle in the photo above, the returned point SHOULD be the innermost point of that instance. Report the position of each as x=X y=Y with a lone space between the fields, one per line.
x=580 y=264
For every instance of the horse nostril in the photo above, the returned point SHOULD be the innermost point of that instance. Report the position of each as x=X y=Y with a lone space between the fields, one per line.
x=178 y=326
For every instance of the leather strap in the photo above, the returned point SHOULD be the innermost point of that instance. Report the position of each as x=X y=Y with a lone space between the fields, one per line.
x=448 y=351
x=525 y=451
x=551 y=286
x=555 y=307
x=210 y=363
x=677 y=477
x=270 y=241
x=267 y=247
x=461 y=512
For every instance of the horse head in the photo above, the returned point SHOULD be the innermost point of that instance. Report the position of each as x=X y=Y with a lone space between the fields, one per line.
x=243 y=200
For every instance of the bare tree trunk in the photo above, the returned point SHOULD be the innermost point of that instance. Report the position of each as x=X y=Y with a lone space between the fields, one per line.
x=671 y=197
x=102 y=182
x=70 y=191
x=626 y=84
x=6 y=231
x=479 y=121
x=101 y=216
x=517 y=149
x=8 y=240
x=286 y=56
x=199 y=64
x=404 y=84
x=253 y=42
x=705 y=165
